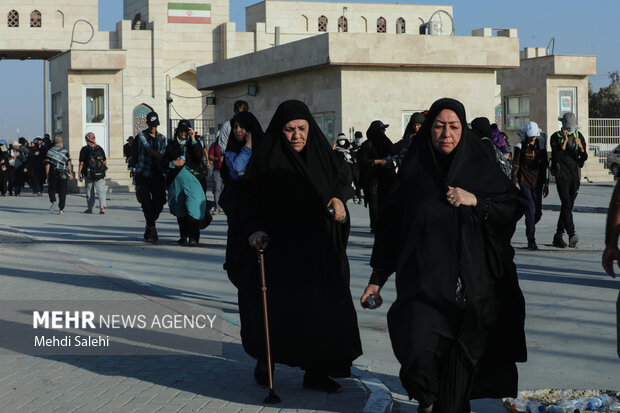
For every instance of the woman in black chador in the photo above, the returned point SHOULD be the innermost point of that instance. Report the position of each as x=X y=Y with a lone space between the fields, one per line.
x=293 y=179
x=457 y=325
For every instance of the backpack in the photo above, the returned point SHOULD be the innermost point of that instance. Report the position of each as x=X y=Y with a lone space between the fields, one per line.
x=504 y=163
x=132 y=161
x=95 y=167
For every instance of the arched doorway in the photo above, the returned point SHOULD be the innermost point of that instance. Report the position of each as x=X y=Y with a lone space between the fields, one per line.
x=139 y=117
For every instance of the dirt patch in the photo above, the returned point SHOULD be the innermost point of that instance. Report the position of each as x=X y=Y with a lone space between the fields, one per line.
x=548 y=397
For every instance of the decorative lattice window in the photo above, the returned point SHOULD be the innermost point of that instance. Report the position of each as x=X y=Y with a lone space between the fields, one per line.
x=35 y=18
x=13 y=19
x=381 y=25
x=343 y=25
x=322 y=24
x=400 y=25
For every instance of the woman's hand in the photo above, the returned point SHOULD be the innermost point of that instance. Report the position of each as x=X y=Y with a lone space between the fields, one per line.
x=375 y=290
x=458 y=196
x=610 y=255
x=191 y=134
x=248 y=140
x=258 y=240
x=339 y=212
x=178 y=162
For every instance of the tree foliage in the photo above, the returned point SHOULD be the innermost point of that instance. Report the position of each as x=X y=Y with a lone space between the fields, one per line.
x=606 y=102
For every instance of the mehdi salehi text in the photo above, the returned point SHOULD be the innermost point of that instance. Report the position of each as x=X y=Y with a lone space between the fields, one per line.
x=86 y=320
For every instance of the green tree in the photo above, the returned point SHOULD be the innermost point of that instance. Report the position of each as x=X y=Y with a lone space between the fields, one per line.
x=606 y=102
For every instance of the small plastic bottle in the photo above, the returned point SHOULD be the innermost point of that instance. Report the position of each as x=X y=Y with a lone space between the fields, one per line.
x=615 y=407
x=534 y=407
x=573 y=405
x=518 y=405
x=558 y=409
x=596 y=403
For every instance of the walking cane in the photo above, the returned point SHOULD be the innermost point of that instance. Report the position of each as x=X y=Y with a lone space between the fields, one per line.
x=272 y=397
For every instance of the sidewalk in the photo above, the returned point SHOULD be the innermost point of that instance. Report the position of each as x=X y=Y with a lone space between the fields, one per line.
x=47 y=256
x=39 y=267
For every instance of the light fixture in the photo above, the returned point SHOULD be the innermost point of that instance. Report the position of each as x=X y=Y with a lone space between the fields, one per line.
x=252 y=90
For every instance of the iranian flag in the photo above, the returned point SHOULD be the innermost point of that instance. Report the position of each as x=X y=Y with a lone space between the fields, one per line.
x=189 y=13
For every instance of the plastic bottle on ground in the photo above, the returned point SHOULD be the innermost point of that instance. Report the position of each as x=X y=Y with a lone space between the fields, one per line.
x=574 y=405
x=615 y=407
x=558 y=409
x=596 y=403
x=534 y=407
x=518 y=405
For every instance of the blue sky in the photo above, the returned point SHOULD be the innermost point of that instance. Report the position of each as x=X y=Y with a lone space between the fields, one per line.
x=579 y=27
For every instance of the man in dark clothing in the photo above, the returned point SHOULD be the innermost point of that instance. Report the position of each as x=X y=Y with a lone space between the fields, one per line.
x=23 y=174
x=149 y=174
x=127 y=151
x=400 y=148
x=92 y=169
x=36 y=168
x=529 y=171
x=355 y=147
x=568 y=154
x=16 y=169
x=58 y=170
x=4 y=166
x=376 y=169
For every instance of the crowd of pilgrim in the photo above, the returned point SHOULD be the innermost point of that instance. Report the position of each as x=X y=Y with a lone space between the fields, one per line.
x=442 y=210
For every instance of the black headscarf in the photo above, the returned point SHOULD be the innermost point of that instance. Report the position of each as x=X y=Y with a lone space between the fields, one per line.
x=316 y=162
x=248 y=122
x=471 y=166
x=380 y=142
x=482 y=128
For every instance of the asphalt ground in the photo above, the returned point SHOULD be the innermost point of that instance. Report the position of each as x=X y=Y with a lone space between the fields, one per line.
x=570 y=324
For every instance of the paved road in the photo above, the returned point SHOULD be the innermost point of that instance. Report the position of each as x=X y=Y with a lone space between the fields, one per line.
x=570 y=302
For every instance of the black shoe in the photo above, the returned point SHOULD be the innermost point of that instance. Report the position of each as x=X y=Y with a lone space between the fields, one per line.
x=558 y=241
x=192 y=243
x=89 y=211
x=261 y=374
x=531 y=245
x=573 y=240
x=182 y=241
x=150 y=234
x=321 y=382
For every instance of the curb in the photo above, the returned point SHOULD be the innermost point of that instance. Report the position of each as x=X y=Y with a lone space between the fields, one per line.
x=586 y=209
x=380 y=397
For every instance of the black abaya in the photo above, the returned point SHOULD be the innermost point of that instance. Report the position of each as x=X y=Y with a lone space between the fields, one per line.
x=452 y=350
x=312 y=320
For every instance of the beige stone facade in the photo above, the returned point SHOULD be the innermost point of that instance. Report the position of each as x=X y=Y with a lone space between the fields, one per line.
x=356 y=78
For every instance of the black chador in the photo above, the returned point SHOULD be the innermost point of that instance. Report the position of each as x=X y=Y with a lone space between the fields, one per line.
x=457 y=325
x=312 y=319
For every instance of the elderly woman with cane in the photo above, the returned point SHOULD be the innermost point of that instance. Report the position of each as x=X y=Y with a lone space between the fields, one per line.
x=457 y=325
x=294 y=179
